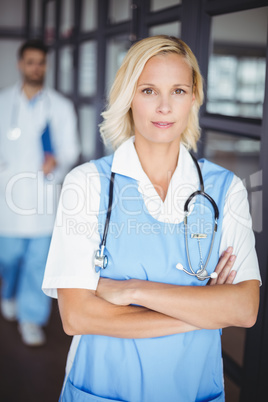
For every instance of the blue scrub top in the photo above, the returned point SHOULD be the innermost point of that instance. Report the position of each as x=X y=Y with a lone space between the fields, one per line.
x=185 y=367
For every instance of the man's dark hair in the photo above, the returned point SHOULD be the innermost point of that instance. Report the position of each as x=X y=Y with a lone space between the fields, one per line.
x=36 y=44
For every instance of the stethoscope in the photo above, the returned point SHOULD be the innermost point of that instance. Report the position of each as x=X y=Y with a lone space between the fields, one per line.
x=101 y=259
x=14 y=133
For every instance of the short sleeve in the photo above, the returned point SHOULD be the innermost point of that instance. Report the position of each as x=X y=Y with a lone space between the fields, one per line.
x=237 y=232
x=75 y=236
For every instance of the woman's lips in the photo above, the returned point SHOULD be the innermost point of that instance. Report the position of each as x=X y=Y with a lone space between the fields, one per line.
x=162 y=124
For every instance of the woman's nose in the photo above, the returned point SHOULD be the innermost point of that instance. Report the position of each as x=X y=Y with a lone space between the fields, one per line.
x=164 y=105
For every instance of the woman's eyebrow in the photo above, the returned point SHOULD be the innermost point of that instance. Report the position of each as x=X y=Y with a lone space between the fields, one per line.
x=153 y=85
x=145 y=83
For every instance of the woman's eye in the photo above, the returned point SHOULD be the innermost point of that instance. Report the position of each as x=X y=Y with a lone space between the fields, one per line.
x=148 y=91
x=179 y=91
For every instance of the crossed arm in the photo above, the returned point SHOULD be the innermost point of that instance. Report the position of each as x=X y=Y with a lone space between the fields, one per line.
x=165 y=309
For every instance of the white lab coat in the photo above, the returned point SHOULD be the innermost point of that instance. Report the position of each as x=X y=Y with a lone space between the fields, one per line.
x=28 y=199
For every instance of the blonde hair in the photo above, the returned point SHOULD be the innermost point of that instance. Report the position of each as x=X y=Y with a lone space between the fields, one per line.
x=118 y=124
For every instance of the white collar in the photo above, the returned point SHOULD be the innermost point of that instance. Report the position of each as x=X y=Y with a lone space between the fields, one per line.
x=126 y=162
x=19 y=92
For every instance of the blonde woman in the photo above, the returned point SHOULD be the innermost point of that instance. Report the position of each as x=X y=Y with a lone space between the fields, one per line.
x=146 y=327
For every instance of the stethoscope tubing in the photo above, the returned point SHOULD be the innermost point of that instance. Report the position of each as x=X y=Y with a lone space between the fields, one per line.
x=109 y=210
x=192 y=273
x=200 y=192
x=101 y=260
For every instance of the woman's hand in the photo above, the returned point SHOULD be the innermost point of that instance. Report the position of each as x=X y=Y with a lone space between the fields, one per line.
x=223 y=269
x=114 y=291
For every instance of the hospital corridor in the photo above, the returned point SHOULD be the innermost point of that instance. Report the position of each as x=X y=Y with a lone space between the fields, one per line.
x=58 y=62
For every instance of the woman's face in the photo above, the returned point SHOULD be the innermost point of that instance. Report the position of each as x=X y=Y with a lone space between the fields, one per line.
x=163 y=99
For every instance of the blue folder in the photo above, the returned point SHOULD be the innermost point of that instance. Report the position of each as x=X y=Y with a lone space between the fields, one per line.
x=46 y=140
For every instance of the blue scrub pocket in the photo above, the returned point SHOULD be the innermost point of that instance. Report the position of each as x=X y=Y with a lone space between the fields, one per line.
x=73 y=394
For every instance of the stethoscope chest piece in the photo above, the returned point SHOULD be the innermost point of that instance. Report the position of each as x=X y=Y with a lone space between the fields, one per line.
x=100 y=260
x=202 y=274
x=14 y=134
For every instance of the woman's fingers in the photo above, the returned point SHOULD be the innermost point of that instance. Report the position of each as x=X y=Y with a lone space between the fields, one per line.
x=223 y=268
x=224 y=274
x=221 y=264
x=231 y=277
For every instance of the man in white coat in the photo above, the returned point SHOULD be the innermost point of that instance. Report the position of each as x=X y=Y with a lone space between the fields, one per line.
x=38 y=146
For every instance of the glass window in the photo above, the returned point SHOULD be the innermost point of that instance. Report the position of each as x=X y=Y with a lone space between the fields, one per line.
x=50 y=22
x=172 y=29
x=89 y=15
x=50 y=76
x=241 y=156
x=236 y=75
x=66 y=69
x=160 y=4
x=117 y=48
x=12 y=14
x=119 y=10
x=88 y=69
x=67 y=18
x=8 y=61
x=36 y=14
x=87 y=128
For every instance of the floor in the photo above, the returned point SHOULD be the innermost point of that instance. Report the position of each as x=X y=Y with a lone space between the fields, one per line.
x=36 y=374
x=32 y=374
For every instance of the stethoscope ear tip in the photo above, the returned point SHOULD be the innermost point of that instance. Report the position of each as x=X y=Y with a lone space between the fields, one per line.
x=214 y=275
